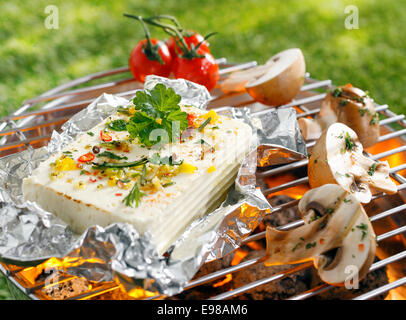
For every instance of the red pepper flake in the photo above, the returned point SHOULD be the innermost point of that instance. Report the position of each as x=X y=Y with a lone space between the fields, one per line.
x=105 y=136
x=190 y=118
x=96 y=172
x=361 y=247
x=92 y=180
x=86 y=157
x=321 y=240
x=120 y=184
x=79 y=166
x=119 y=194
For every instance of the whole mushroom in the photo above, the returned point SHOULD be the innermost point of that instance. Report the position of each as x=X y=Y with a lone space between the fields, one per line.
x=337 y=234
x=349 y=105
x=337 y=157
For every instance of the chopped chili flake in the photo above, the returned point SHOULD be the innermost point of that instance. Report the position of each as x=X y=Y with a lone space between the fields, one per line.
x=120 y=184
x=92 y=180
x=361 y=247
x=105 y=136
x=321 y=241
x=86 y=157
x=119 y=194
x=190 y=118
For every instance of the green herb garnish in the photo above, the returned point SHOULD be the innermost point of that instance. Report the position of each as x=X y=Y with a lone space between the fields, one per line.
x=123 y=110
x=134 y=197
x=111 y=144
x=111 y=155
x=117 y=125
x=310 y=245
x=201 y=141
x=159 y=117
x=90 y=133
x=371 y=170
x=337 y=92
x=364 y=228
x=143 y=178
x=375 y=119
x=106 y=165
x=168 y=184
x=298 y=244
x=205 y=123
x=349 y=143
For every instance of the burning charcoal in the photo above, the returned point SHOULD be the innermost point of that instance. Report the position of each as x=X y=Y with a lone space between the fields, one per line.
x=276 y=290
x=282 y=217
x=211 y=288
x=67 y=289
x=215 y=265
x=372 y=280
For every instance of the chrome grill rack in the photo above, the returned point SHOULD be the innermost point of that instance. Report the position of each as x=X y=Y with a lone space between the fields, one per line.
x=32 y=125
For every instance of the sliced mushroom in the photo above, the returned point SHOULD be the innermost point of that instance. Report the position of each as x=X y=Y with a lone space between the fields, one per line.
x=337 y=157
x=357 y=249
x=337 y=233
x=349 y=105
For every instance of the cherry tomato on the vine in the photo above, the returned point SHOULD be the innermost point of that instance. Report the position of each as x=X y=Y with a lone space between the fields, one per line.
x=200 y=70
x=143 y=63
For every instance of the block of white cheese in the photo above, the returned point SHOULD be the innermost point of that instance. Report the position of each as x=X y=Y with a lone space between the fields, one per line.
x=107 y=176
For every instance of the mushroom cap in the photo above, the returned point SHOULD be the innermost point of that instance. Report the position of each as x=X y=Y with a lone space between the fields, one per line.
x=349 y=105
x=337 y=158
x=356 y=109
x=282 y=81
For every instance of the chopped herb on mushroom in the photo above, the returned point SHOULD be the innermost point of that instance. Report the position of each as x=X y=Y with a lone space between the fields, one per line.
x=372 y=169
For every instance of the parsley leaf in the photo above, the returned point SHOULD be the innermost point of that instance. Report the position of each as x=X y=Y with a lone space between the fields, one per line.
x=158 y=109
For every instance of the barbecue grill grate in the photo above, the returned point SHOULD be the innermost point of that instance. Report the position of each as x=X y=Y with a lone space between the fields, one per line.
x=33 y=123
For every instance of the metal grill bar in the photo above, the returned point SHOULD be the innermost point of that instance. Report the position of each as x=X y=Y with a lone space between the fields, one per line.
x=252 y=285
x=382 y=289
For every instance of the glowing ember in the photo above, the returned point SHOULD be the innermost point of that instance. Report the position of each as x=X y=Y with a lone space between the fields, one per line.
x=227 y=279
x=138 y=293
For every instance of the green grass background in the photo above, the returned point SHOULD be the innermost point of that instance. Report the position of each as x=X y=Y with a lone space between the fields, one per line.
x=94 y=36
